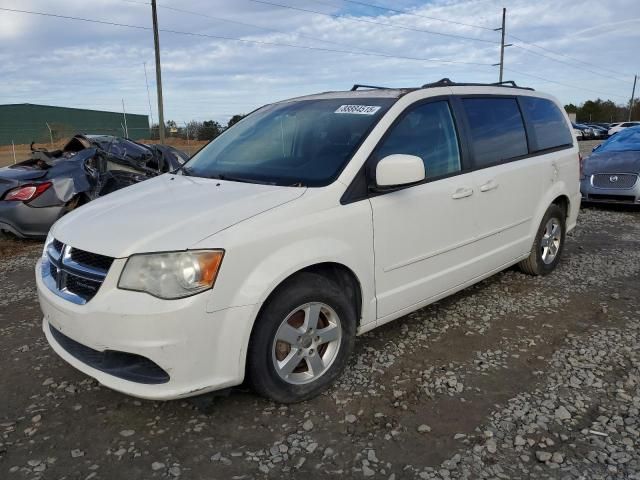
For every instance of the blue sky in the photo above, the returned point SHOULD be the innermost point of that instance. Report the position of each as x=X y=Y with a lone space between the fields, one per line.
x=589 y=49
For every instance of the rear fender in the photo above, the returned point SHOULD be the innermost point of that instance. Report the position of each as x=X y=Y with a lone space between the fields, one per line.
x=556 y=190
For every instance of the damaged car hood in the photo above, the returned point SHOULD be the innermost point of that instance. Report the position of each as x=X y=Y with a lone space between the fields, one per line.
x=612 y=162
x=169 y=212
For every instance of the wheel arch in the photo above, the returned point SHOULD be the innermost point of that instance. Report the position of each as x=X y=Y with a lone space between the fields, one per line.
x=564 y=203
x=343 y=276
x=556 y=195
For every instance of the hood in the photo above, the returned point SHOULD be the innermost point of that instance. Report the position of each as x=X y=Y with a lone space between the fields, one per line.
x=169 y=212
x=11 y=177
x=612 y=162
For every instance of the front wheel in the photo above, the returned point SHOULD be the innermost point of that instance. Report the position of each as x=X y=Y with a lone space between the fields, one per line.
x=302 y=339
x=548 y=244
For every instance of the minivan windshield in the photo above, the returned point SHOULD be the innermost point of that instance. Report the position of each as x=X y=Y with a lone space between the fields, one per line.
x=298 y=143
x=628 y=139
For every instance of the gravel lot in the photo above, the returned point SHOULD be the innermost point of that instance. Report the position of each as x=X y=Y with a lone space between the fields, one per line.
x=516 y=377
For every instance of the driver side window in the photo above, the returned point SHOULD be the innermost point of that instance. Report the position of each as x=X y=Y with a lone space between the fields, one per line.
x=426 y=131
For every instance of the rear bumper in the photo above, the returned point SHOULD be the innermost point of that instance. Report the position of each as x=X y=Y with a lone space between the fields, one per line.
x=25 y=221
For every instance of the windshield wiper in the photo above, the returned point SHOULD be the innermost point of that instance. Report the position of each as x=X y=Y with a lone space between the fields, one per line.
x=232 y=178
x=186 y=171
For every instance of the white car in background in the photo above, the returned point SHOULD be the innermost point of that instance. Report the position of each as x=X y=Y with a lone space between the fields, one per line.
x=308 y=222
x=621 y=126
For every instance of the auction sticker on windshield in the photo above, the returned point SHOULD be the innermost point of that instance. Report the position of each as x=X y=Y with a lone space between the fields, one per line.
x=358 y=109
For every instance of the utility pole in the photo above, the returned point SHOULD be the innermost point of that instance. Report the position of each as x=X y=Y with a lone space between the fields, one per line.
x=633 y=96
x=50 y=133
x=156 y=44
x=502 y=44
x=186 y=127
x=146 y=80
x=124 y=114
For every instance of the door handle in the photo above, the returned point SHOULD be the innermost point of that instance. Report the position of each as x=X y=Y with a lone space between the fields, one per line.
x=490 y=185
x=462 y=192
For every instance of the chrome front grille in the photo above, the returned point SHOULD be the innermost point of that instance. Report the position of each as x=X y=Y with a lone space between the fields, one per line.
x=73 y=274
x=614 y=180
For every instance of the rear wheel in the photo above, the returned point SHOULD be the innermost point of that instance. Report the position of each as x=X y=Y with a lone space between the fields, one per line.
x=548 y=245
x=302 y=339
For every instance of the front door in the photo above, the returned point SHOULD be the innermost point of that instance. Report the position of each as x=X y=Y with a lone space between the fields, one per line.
x=424 y=235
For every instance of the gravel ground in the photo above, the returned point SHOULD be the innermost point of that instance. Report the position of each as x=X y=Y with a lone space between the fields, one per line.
x=516 y=377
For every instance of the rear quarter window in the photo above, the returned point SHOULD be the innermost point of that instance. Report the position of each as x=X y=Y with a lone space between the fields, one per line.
x=550 y=129
x=497 y=130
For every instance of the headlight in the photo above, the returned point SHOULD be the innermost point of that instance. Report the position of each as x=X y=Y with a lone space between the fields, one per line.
x=171 y=275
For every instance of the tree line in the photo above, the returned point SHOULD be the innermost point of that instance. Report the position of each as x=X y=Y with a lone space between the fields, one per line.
x=195 y=130
x=599 y=110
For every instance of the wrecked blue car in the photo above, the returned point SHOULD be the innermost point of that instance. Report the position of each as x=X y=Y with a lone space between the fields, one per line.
x=36 y=192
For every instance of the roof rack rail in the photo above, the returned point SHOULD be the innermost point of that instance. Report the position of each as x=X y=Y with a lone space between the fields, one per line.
x=357 y=86
x=446 y=82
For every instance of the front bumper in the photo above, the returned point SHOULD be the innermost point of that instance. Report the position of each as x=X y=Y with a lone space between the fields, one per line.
x=26 y=221
x=198 y=351
x=591 y=194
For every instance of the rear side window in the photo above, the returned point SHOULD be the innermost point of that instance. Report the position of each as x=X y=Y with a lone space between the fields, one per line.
x=549 y=125
x=426 y=131
x=497 y=129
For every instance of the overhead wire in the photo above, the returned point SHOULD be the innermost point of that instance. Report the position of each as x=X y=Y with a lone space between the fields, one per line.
x=509 y=35
x=242 y=40
x=524 y=49
x=532 y=52
x=350 y=52
x=374 y=22
x=561 y=83
x=413 y=14
x=408 y=12
x=236 y=22
x=251 y=25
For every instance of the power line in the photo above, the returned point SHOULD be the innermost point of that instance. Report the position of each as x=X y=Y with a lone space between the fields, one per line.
x=566 y=56
x=267 y=43
x=564 y=84
x=373 y=22
x=198 y=14
x=408 y=12
x=237 y=22
x=242 y=40
x=528 y=50
x=380 y=7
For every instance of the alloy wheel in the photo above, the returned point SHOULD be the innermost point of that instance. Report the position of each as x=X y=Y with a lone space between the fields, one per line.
x=306 y=343
x=550 y=242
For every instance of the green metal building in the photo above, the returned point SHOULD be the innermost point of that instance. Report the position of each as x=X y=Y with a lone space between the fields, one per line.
x=25 y=123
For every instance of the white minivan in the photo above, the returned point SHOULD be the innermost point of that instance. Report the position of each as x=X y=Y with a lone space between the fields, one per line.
x=309 y=222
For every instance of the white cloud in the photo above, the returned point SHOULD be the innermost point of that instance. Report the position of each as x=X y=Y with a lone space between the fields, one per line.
x=63 y=62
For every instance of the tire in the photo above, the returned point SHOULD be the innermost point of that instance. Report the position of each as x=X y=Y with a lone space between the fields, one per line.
x=540 y=262
x=286 y=371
